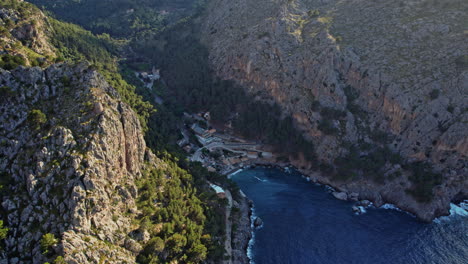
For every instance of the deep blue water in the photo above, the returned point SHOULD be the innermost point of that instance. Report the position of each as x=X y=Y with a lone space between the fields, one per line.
x=303 y=223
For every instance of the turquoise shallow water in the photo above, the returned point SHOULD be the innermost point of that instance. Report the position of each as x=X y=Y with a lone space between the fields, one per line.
x=303 y=223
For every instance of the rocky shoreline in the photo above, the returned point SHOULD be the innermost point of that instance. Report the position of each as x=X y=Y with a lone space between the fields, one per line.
x=242 y=235
x=364 y=197
x=363 y=192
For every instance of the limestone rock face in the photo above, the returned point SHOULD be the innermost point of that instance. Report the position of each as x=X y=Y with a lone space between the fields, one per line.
x=72 y=173
x=396 y=68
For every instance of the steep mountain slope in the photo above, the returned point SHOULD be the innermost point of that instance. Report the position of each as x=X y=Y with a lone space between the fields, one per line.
x=365 y=81
x=71 y=154
x=78 y=183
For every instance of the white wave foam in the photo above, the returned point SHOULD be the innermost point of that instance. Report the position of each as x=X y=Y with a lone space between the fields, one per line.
x=252 y=239
x=262 y=180
x=388 y=206
x=456 y=211
x=362 y=209
x=234 y=173
x=461 y=209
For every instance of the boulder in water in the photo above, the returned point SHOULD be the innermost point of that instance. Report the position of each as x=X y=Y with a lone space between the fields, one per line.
x=355 y=209
x=365 y=203
x=258 y=222
x=358 y=209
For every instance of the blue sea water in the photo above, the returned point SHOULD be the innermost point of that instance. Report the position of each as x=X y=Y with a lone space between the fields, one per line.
x=303 y=223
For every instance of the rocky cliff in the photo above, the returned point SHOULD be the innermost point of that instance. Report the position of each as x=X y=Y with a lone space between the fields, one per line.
x=361 y=74
x=71 y=152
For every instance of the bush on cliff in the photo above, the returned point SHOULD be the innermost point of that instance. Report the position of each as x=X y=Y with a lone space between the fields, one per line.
x=10 y=62
x=424 y=180
x=47 y=242
x=36 y=118
x=3 y=231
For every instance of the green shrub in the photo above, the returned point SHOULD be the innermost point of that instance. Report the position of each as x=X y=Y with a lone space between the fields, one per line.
x=47 y=242
x=60 y=260
x=37 y=118
x=65 y=80
x=313 y=13
x=327 y=127
x=315 y=105
x=462 y=62
x=332 y=113
x=434 y=94
x=6 y=92
x=450 y=109
x=356 y=110
x=379 y=136
x=156 y=244
x=10 y=62
x=351 y=93
x=3 y=231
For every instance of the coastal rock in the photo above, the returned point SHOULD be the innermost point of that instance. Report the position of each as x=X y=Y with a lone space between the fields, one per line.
x=364 y=203
x=353 y=196
x=242 y=235
x=340 y=195
x=258 y=222
x=355 y=209
x=358 y=209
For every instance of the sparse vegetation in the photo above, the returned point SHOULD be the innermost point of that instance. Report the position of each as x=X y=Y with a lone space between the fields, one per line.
x=369 y=165
x=313 y=13
x=332 y=113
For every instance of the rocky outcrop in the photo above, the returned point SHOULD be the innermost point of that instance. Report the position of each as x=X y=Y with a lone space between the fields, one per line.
x=340 y=195
x=241 y=231
x=357 y=73
x=69 y=171
x=25 y=32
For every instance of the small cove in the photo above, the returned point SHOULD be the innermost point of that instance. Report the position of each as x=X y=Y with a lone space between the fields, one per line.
x=304 y=223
